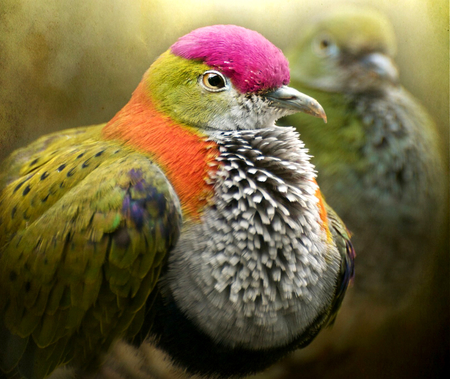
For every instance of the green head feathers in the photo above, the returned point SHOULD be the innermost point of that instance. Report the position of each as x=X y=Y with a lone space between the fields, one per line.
x=177 y=89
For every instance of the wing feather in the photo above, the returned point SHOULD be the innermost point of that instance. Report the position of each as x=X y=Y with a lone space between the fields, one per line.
x=83 y=248
x=341 y=237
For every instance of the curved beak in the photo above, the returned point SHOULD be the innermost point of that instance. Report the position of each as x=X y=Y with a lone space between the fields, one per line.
x=288 y=98
x=382 y=66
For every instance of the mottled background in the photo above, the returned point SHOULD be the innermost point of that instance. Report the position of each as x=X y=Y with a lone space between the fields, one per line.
x=65 y=63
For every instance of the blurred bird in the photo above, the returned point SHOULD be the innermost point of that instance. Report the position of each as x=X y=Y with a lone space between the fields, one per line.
x=189 y=213
x=379 y=165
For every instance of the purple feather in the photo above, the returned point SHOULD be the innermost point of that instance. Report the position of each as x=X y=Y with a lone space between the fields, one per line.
x=138 y=213
x=252 y=63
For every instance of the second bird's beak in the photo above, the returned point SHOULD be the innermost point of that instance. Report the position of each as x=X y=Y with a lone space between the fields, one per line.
x=289 y=98
x=382 y=66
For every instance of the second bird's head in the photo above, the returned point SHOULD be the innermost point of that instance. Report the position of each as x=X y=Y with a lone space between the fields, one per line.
x=225 y=77
x=349 y=49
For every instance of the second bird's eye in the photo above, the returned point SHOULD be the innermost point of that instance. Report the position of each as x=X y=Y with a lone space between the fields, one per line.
x=324 y=43
x=324 y=46
x=213 y=81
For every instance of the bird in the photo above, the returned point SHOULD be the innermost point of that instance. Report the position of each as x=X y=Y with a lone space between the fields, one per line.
x=189 y=218
x=380 y=167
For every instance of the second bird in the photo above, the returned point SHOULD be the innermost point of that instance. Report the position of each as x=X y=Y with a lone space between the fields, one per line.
x=379 y=166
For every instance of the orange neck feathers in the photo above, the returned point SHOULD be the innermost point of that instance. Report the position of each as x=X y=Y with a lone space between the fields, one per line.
x=323 y=212
x=182 y=152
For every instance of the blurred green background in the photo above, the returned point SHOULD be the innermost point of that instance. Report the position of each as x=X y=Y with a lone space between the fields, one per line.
x=65 y=63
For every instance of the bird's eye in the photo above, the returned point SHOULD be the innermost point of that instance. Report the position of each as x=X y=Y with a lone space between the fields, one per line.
x=324 y=45
x=213 y=81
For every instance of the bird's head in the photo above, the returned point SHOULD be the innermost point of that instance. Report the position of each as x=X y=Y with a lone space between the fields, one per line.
x=225 y=77
x=347 y=50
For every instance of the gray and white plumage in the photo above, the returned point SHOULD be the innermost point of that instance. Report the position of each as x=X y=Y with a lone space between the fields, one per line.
x=261 y=273
x=259 y=261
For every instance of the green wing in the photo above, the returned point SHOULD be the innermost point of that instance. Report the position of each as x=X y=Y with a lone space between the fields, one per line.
x=85 y=226
x=341 y=237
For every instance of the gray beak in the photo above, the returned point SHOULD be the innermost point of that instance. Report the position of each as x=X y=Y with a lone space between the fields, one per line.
x=382 y=66
x=290 y=99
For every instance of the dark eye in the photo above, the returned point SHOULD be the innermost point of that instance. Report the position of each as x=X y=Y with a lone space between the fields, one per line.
x=324 y=43
x=324 y=46
x=213 y=81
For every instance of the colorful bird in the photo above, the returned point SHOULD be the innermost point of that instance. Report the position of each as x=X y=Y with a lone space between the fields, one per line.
x=189 y=214
x=379 y=164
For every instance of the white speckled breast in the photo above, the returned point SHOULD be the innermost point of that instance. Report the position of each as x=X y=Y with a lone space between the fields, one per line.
x=258 y=269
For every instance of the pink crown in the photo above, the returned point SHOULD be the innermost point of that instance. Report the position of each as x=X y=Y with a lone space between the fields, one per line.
x=251 y=62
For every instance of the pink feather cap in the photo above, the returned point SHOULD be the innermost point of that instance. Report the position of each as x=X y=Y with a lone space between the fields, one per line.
x=252 y=63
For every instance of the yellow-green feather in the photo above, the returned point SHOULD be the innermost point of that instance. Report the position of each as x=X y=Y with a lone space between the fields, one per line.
x=75 y=266
x=341 y=237
x=178 y=96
